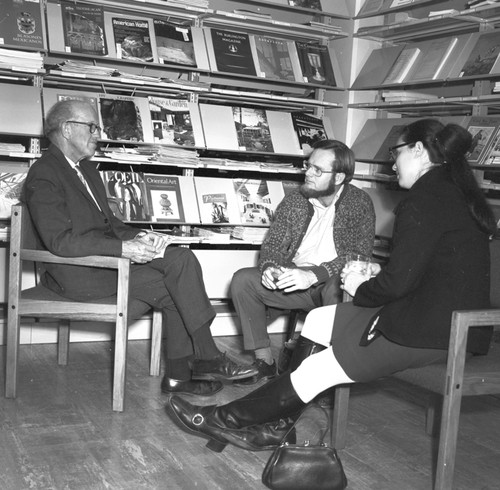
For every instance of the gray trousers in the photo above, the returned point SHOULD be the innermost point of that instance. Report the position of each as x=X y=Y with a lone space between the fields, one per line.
x=251 y=301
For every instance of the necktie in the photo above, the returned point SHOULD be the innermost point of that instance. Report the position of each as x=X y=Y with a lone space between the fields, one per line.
x=85 y=183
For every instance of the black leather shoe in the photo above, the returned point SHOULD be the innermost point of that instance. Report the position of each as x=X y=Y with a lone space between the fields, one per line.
x=197 y=421
x=190 y=387
x=265 y=370
x=221 y=368
x=262 y=437
x=206 y=422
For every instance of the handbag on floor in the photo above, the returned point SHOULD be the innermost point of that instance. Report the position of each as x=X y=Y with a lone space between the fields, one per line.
x=305 y=467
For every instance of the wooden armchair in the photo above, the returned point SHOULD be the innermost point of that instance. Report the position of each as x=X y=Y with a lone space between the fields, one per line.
x=446 y=383
x=40 y=302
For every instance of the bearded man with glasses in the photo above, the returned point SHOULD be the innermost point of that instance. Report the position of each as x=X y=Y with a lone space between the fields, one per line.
x=67 y=202
x=314 y=230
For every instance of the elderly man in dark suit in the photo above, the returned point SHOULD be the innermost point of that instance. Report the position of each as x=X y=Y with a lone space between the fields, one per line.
x=67 y=202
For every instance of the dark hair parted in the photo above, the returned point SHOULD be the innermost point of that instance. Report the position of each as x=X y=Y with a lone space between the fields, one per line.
x=344 y=157
x=448 y=145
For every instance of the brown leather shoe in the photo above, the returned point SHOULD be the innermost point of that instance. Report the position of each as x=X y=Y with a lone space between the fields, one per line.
x=190 y=387
x=221 y=368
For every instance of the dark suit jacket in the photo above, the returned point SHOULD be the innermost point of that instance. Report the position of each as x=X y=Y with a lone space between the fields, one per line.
x=71 y=225
x=439 y=263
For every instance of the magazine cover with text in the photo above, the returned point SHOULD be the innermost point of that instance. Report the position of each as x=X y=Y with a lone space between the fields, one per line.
x=257 y=200
x=309 y=130
x=132 y=39
x=252 y=129
x=126 y=194
x=164 y=198
x=21 y=24
x=232 y=52
x=83 y=27
x=172 y=122
x=316 y=64
x=174 y=43
x=274 y=59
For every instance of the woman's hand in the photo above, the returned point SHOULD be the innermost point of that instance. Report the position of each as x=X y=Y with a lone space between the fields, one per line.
x=351 y=280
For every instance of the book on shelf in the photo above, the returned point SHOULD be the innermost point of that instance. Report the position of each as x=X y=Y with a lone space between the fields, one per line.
x=377 y=66
x=402 y=65
x=125 y=118
x=484 y=55
x=283 y=135
x=214 y=234
x=309 y=129
x=377 y=135
x=222 y=135
x=492 y=156
x=21 y=24
x=217 y=200
x=130 y=37
x=390 y=140
x=21 y=109
x=175 y=121
x=250 y=234
x=483 y=130
x=174 y=43
x=375 y=7
x=171 y=199
x=307 y=4
x=275 y=58
x=406 y=95
x=435 y=54
x=53 y=95
x=316 y=64
x=230 y=51
x=252 y=129
x=126 y=194
x=27 y=61
x=83 y=28
x=257 y=200
x=12 y=177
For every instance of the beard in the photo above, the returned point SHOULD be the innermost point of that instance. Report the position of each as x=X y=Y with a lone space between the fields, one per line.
x=309 y=193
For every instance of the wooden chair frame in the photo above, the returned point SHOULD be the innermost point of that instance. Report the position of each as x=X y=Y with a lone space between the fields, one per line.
x=40 y=302
x=461 y=378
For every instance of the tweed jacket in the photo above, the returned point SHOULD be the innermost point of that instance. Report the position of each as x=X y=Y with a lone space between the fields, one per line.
x=71 y=225
x=353 y=231
x=439 y=263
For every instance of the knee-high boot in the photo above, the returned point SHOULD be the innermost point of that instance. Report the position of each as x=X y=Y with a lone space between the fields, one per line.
x=242 y=421
x=304 y=348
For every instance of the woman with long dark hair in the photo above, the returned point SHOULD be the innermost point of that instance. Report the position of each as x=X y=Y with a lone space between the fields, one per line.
x=400 y=314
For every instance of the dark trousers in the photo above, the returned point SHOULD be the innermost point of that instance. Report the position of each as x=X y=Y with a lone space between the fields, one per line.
x=175 y=285
x=251 y=299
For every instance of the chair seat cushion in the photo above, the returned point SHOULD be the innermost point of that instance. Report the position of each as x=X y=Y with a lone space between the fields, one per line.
x=432 y=377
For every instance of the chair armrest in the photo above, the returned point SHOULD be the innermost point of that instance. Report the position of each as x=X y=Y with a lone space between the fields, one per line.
x=100 y=261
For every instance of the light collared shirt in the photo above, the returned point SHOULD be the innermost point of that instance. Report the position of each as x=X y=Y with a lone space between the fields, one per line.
x=318 y=246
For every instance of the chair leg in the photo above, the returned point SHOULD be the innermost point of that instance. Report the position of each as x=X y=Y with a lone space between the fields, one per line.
x=63 y=342
x=448 y=438
x=156 y=333
x=339 y=416
x=12 y=354
x=120 y=364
